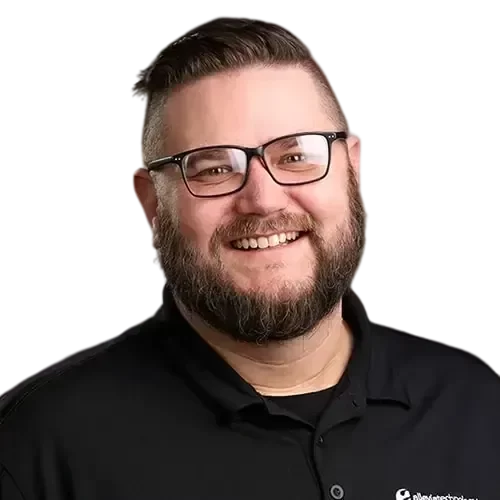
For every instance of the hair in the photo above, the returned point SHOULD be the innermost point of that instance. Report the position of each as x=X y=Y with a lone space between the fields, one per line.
x=223 y=44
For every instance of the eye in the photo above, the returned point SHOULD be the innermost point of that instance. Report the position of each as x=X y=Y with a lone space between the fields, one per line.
x=215 y=171
x=293 y=158
x=203 y=173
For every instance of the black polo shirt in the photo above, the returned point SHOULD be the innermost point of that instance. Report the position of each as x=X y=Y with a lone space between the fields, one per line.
x=155 y=413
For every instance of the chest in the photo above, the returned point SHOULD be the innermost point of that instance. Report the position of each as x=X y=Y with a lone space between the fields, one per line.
x=405 y=459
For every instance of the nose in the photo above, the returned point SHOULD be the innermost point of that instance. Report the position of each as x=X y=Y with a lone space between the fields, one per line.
x=261 y=195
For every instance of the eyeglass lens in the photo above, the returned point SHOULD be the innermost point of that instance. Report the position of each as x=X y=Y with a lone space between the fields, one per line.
x=292 y=160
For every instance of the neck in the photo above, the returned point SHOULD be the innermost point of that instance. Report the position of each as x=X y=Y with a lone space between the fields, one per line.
x=310 y=363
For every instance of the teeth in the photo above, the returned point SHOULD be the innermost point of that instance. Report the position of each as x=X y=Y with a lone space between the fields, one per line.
x=266 y=241
x=263 y=242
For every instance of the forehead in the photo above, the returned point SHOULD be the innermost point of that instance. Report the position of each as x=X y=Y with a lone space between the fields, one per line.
x=246 y=107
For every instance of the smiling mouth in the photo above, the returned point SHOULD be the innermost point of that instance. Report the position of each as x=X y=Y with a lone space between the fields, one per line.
x=270 y=241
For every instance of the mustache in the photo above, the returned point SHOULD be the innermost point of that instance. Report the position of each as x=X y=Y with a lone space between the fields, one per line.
x=252 y=224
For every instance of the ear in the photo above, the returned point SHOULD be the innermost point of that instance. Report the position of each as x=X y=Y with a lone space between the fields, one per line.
x=145 y=191
x=354 y=152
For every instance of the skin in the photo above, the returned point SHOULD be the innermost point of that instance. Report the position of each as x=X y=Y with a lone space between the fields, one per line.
x=235 y=108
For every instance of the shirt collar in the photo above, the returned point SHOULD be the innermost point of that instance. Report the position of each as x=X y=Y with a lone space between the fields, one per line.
x=369 y=375
x=372 y=366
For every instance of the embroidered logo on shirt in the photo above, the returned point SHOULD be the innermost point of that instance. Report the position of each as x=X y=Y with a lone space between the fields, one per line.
x=404 y=494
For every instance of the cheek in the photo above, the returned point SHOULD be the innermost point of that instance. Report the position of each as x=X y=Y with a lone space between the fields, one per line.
x=198 y=219
x=327 y=202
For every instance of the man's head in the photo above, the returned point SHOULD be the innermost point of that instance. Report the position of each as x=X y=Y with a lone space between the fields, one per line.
x=245 y=84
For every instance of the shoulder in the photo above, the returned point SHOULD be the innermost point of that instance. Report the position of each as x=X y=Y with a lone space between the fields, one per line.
x=67 y=411
x=429 y=367
x=82 y=374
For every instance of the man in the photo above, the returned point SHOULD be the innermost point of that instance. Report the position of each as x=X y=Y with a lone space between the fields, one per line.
x=260 y=376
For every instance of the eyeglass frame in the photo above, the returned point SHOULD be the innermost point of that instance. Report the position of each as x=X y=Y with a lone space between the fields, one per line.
x=177 y=160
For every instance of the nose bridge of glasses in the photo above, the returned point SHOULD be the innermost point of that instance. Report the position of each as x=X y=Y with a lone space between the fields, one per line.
x=258 y=153
x=259 y=182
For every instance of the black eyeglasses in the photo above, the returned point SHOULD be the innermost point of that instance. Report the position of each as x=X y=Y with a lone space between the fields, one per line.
x=291 y=160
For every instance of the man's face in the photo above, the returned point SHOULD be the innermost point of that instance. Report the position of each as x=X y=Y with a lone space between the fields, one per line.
x=258 y=295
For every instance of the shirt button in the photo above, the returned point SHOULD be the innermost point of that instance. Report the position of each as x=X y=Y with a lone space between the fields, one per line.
x=337 y=492
x=321 y=440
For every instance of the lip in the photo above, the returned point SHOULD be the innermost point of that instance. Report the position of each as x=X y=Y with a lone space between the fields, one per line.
x=255 y=253
x=266 y=235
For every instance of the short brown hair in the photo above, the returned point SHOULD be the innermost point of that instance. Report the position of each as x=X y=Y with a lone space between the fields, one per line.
x=220 y=45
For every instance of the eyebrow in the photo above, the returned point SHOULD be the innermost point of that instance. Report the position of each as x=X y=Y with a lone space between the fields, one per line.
x=211 y=154
x=286 y=142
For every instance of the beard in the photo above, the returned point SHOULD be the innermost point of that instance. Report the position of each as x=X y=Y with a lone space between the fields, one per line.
x=205 y=288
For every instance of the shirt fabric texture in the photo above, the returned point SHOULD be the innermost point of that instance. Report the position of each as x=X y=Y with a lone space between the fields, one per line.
x=155 y=413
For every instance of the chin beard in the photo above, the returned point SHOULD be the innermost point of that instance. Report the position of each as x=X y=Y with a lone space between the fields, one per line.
x=205 y=289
